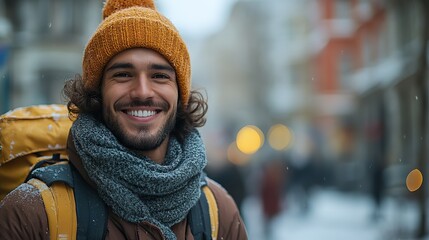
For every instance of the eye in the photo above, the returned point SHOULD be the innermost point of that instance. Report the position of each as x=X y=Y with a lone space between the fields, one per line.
x=161 y=76
x=121 y=75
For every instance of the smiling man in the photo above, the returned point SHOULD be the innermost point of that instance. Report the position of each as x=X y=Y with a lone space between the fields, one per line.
x=140 y=100
x=134 y=140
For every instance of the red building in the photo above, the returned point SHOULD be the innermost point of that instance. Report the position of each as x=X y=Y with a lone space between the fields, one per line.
x=352 y=33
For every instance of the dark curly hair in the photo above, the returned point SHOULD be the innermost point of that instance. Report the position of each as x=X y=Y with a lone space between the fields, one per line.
x=89 y=102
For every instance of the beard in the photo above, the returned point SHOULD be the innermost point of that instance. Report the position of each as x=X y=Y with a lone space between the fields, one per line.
x=142 y=140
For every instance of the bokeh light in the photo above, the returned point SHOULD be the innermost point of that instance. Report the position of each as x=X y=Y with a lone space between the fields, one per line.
x=249 y=139
x=414 y=180
x=235 y=156
x=279 y=137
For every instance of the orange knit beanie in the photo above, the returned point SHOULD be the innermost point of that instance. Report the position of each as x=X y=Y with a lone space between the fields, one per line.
x=130 y=24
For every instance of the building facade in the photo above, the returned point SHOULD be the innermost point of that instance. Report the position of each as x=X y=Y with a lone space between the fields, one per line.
x=45 y=47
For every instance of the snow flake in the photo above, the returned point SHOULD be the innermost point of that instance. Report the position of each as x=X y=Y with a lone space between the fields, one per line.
x=56 y=107
x=56 y=146
x=56 y=116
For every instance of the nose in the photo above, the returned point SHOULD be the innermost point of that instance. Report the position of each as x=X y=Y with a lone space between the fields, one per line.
x=142 y=88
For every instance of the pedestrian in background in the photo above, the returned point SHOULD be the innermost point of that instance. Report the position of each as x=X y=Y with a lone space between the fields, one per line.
x=272 y=193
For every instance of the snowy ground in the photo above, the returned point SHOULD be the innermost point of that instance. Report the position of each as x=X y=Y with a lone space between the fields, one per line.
x=333 y=215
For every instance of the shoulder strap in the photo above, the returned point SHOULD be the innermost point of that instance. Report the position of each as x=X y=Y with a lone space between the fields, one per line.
x=91 y=210
x=64 y=211
x=50 y=174
x=203 y=217
x=213 y=211
x=61 y=217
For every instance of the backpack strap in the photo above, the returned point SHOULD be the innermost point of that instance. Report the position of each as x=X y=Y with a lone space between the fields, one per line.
x=83 y=205
x=203 y=217
x=213 y=211
x=65 y=207
x=51 y=174
x=61 y=217
x=91 y=212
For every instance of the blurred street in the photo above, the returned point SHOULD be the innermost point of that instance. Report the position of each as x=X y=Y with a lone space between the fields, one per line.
x=333 y=215
x=318 y=109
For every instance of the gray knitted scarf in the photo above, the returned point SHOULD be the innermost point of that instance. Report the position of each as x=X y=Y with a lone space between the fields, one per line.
x=134 y=186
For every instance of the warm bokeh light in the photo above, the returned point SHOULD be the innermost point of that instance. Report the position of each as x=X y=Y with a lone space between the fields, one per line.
x=235 y=156
x=249 y=139
x=279 y=137
x=414 y=180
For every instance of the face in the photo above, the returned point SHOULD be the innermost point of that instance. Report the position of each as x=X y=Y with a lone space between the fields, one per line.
x=140 y=95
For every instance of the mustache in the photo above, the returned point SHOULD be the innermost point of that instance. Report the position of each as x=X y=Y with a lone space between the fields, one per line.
x=143 y=103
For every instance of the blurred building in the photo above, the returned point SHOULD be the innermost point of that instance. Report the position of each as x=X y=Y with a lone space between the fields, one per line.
x=353 y=35
x=344 y=68
x=44 y=47
x=5 y=45
x=371 y=54
x=256 y=70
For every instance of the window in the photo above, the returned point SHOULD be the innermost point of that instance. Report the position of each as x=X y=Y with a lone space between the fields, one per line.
x=342 y=9
x=345 y=69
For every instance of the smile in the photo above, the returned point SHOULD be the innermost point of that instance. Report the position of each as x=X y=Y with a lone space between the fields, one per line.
x=141 y=113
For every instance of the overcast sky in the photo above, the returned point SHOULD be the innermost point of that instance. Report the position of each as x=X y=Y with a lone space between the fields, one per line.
x=196 y=18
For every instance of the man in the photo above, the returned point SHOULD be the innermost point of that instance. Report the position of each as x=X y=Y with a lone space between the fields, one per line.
x=134 y=138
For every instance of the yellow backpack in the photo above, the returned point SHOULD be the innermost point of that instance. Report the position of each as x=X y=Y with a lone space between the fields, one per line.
x=35 y=136
x=28 y=135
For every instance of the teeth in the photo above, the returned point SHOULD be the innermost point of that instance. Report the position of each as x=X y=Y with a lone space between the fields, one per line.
x=141 y=113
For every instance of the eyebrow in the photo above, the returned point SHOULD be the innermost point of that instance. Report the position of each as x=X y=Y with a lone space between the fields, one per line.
x=166 y=67
x=154 y=66
x=119 y=65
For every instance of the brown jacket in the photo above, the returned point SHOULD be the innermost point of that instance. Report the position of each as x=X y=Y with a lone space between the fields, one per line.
x=23 y=216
